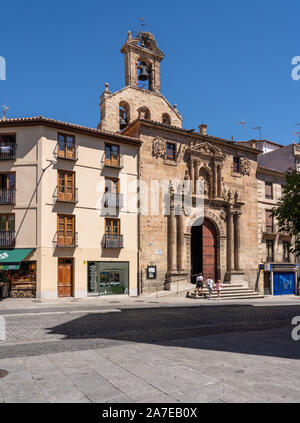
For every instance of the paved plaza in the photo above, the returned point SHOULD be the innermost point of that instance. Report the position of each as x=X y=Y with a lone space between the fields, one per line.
x=150 y=350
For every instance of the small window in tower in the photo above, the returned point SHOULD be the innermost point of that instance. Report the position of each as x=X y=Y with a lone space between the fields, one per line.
x=236 y=164
x=124 y=114
x=144 y=76
x=144 y=113
x=166 y=119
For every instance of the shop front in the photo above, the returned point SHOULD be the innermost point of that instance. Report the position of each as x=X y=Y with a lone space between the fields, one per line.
x=108 y=278
x=280 y=279
x=17 y=276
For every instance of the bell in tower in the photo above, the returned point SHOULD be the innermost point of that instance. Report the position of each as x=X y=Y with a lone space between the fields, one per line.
x=144 y=74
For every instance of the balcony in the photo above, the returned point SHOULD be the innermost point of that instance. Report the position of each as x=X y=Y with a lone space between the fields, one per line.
x=65 y=197
x=112 y=201
x=8 y=151
x=64 y=241
x=7 y=196
x=7 y=239
x=113 y=241
x=68 y=153
x=116 y=162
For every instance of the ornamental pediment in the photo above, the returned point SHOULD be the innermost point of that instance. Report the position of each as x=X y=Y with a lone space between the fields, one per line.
x=206 y=149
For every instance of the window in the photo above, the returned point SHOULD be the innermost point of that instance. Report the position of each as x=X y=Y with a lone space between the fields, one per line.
x=236 y=164
x=112 y=155
x=269 y=221
x=66 y=230
x=66 y=186
x=286 y=251
x=112 y=226
x=270 y=250
x=7 y=230
x=170 y=151
x=7 y=188
x=112 y=185
x=269 y=190
x=7 y=147
x=166 y=119
x=144 y=113
x=66 y=146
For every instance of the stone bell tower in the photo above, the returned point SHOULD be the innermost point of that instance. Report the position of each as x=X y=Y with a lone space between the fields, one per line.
x=141 y=96
x=142 y=54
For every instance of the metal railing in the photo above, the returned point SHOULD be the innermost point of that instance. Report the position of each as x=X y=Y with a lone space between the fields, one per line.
x=7 y=196
x=115 y=162
x=68 y=153
x=7 y=238
x=113 y=241
x=65 y=197
x=113 y=200
x=64 y=241
x=8 y=151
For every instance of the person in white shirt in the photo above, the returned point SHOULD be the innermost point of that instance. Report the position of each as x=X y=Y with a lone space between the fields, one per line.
x=210 y=286
x=199 y=284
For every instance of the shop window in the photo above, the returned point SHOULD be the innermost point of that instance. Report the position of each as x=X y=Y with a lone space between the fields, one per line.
x=19 y=283
x=270 y=250
x=170 y=151
x=286 y=251
x=269 y=190
x=108 y=278
x=236 y=164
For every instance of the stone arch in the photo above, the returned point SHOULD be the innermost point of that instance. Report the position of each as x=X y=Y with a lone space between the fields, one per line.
x=216 y=221
x=124 y=112
x=166 y=119
x=144 y=113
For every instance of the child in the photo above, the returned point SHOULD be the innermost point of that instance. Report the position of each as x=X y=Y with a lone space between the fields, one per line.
x=218 y=288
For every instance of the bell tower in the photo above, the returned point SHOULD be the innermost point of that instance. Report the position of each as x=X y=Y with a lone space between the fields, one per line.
x=142 y=61
x=141 y=97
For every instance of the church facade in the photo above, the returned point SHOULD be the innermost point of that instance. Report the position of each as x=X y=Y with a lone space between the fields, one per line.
x=224 y=246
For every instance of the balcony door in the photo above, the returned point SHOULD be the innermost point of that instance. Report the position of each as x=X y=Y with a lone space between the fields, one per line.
x=112 y=155
x=7 y=188
x=7 y=230
x=65 y=186
x=66 y=146
x=65 y=278
x=66 y=230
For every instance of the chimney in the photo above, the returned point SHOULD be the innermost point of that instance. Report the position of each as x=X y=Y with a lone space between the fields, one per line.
x=202 y=129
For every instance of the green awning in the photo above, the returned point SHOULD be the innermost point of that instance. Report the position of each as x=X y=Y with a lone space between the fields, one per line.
x=11 y=259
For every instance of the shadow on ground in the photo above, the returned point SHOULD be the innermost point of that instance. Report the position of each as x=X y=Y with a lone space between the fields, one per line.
x=176 y=325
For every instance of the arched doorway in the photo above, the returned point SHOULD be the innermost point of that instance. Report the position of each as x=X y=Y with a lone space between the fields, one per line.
x=204 y=249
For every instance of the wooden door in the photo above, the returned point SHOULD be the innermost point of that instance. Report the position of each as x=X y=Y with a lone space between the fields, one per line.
x=65 y=278
x=112 y=155
x=209 y=250
x=66 y=185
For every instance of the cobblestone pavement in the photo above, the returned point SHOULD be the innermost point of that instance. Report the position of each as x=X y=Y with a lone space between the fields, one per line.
x=154 y=353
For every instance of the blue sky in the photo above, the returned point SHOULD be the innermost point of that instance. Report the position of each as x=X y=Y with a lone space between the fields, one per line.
x=224 y=60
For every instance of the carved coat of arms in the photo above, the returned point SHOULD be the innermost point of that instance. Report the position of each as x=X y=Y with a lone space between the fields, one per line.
x=158 y=147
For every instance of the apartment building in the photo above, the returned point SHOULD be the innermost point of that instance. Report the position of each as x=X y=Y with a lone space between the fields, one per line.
x=278 y=270
x=65 y=228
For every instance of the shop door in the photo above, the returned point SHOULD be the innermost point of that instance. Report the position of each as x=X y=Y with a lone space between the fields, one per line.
x=283 y=283
x=65 y=277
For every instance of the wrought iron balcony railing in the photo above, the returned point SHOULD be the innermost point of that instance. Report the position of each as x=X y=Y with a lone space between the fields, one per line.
x=68 y=153
x=65 y=197
x=8 y=151
x=63 y=240
x=113 y=241
x=116 y=162
x=113 y=200
x=7 y=196
x=7 y=239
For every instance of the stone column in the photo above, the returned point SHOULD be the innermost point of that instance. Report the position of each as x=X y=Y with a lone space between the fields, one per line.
x=172 y=241
x=180 y=242
x=219 y=180
x=191 y=168
x=215 y=180
x=196 y=175
x=229 y=240
x=237 y=241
